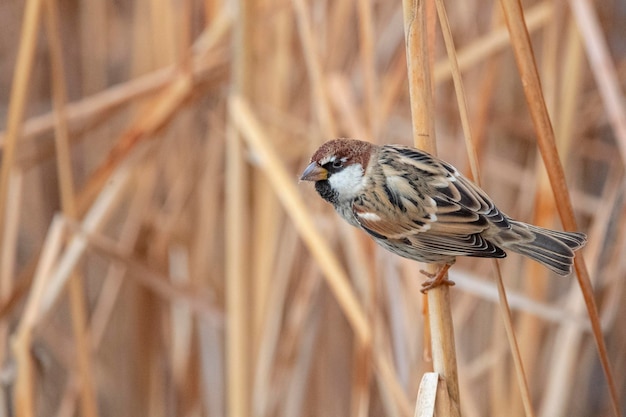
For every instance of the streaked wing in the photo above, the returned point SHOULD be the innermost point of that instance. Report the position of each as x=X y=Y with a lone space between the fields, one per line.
x=425 y=201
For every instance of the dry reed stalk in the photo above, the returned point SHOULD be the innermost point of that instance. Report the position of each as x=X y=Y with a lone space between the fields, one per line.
x=562 y=369
x=418 y=73
x=100 y=104
x=499 y=380
x=362 y=270
x=253 y=134
x=603 y=70
x=397 y=301
x=213 y=34
x=545 y=137
x=67 y=407
x=368 y=66
x=360 y=266
x=569 y=338
x=549 y=58
x=292 y=404
x=93 y=23
x=302 y=345
x=98 y=214
x=601 y=225
x=113 y=280
x=361 y=378
x=458 y=89
x=391 y=85
x=110 y=291
x=145 y=125
x=336 y=35
x=562 y=93
x=471 y=151
x=239 y=333
x=158 y=283
x=55 y=281
x=486 y=92
x=302 y=313
x=239 y=287
x=8 y=262
x=520 y=374
x=174 y=255
x=268 y=213
x=613 y=305
x=469 y=56
x=266 y=231
x=571 y=83
x=181 y=320
x=24 y=391
x=21 y=286
x=209 y=204
x=342 y=98
x=280 y=179
x=395 y=398
x=328 y=125
x=427 y=395
x=161 y=19
x=76 y=288
x=529 y=326
x=518 y=301
x=268 y=345
x=10 y=239
x=471 y=405
x=391 y=386
x=422 y=117
x=59 y=97
x=17 y=104
x=212 y=368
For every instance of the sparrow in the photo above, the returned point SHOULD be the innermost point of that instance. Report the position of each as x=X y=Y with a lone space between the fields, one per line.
x=421 y=208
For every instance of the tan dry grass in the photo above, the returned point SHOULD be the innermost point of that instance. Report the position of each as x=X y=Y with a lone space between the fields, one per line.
x=189 y=274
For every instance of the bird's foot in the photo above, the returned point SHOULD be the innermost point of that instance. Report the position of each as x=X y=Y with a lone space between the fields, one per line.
x=437 y=279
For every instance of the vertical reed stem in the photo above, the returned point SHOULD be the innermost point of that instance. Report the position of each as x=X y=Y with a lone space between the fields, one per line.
x=17 y=104
x=422 y=116
x=239 y=337
x=76 y=289
x=525 y=59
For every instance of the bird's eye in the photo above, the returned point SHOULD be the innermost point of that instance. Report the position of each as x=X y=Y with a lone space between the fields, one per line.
x=334 y=165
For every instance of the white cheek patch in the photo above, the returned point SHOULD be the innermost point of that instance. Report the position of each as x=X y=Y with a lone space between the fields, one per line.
x=348 y=182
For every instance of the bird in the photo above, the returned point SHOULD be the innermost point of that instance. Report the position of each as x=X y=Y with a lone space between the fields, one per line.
x=422 y=208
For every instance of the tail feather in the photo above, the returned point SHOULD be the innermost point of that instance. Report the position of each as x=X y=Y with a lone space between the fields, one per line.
x=552 y=248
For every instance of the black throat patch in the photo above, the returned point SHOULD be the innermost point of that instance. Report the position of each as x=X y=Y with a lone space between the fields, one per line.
x=326 y=192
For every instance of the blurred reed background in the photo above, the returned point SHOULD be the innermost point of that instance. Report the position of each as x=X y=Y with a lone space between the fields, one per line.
x=159 y=258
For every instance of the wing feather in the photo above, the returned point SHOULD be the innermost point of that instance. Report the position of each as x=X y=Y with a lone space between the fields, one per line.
x=425 y=201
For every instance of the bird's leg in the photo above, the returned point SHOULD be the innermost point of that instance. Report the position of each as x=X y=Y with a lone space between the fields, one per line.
x=435 y=280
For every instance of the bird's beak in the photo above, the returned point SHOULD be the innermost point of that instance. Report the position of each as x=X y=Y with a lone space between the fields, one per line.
x=314 y=172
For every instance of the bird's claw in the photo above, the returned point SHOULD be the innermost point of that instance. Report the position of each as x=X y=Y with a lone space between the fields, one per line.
x=436 y=279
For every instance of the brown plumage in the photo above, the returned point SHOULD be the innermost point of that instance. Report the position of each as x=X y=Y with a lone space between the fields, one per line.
x=422 y=208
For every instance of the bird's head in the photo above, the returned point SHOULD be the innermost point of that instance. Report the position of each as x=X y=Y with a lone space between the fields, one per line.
x=338 y=168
